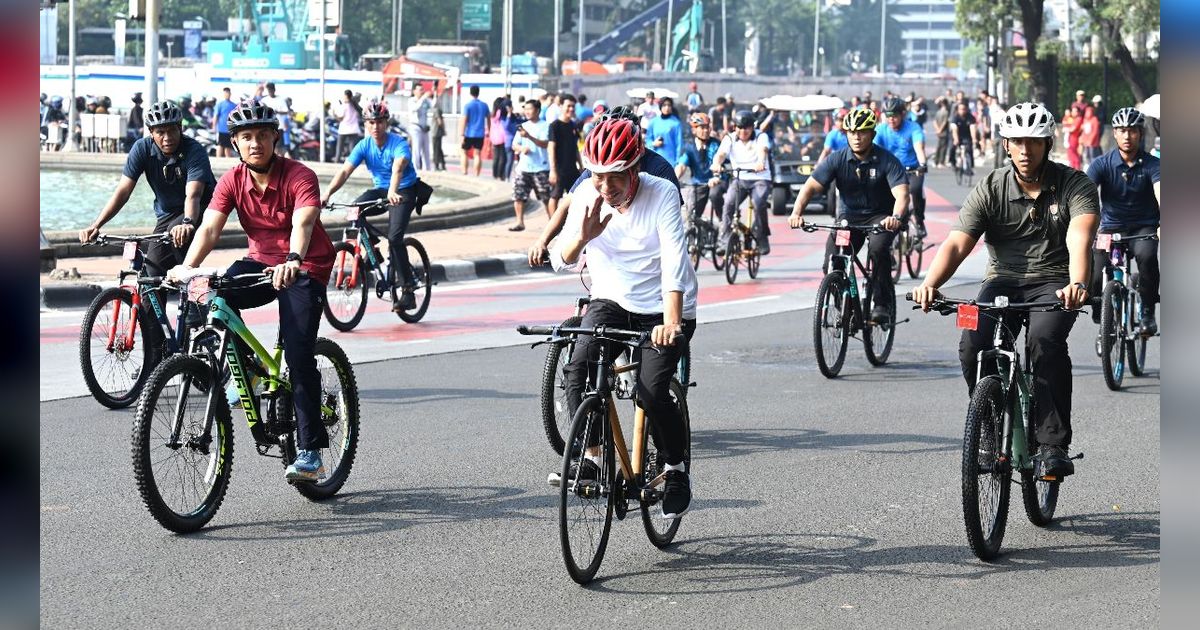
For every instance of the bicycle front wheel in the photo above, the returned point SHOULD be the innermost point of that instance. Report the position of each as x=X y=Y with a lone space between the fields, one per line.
x=339 y=414
x=694 y=249
x=659 y=530
x=733 y=256
x=346 y=295
x=182 y=458
x=985 y=478
x=1112 y=335
x=115 y=363
x=1135 y=348
x=831 y=324
x=585 y=506
x=878 y=338
x=556 y=417
x=710 y=239
x=423 y=285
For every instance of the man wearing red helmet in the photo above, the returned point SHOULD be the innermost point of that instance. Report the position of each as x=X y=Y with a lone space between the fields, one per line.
x=629 y=225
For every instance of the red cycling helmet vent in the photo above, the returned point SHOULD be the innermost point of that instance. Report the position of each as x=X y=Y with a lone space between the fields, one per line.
x=614 y=146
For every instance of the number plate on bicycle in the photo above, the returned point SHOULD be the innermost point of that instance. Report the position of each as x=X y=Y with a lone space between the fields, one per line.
x=352 y=213
x=198 y=290
x=1103 y=242
x=968 y=317
x=130 y=250
x=842 y=239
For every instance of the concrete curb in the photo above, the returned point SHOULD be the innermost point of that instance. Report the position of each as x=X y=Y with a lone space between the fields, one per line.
x=80 y=294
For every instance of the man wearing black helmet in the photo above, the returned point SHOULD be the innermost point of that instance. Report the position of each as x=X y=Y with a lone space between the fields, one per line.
x=278 y=203
x=178 y=171
x=389 y=159
x=746 y=151
x=905 y=139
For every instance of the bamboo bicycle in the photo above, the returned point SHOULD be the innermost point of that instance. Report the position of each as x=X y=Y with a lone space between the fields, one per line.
x=586 y=507
x=741 y=247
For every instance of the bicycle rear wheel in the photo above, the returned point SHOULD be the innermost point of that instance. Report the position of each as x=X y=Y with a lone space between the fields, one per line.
x=1112 y=335
x=585 y=507
x=985 y=479
x=115 y=372
x=346 y=295
x=710 y=240
x=423 y=285
x=899 y=245
x=914 y=258
x=753 y=259
x=831 y=324
x=556 y=417
x=695 y=253
x=182 y=481
x=733 y=256
x=339 y=414
x=659 y=530
x=1135 y=348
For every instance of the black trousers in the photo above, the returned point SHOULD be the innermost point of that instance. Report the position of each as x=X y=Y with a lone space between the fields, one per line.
x=499 y=161
x=697 y=197
x=398 y=218
x=1045 y=345
x=654 y=379
x=161 y=257
x=879 y=252
x=300 y=309
x=1145 y=253
x=916 y=190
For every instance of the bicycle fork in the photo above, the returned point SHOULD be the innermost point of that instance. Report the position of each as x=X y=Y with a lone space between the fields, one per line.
x=116 y=319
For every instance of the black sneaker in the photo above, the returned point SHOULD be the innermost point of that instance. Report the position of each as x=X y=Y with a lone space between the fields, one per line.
x=1096 y=314
x=881 y=315
x=407 y=302
x=921 y=231
x=1149 y=325
x=1054 y=462
x=677 y=494
x=583 y=470
x=764 y=249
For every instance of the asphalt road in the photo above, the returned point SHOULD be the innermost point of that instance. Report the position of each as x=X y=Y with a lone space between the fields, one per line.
x=817 y=503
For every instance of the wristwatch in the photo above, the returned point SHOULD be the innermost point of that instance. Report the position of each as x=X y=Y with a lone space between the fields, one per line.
x=293 y=256
x=187 y=221
x=1082 y=286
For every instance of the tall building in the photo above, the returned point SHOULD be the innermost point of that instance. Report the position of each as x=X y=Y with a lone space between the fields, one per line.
x=927 y=30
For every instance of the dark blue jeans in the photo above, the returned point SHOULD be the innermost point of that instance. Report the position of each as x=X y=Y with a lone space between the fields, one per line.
x=300 y=307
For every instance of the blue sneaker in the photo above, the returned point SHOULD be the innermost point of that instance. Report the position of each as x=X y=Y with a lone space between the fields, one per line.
x=307 y=467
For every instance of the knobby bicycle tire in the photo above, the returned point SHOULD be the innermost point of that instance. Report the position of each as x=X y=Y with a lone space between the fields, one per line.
x=1112 y=335
x=340 y=414
x=349 y=300
x=152 y=425
x=424 y=281
x=583 y=569
x=652 y=465
x=829 y=313
x=982 y=447
x=129 y=375
x=556 y=418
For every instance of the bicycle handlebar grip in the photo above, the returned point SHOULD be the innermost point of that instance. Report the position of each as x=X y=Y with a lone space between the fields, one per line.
x=535 y=330
x=908 y=296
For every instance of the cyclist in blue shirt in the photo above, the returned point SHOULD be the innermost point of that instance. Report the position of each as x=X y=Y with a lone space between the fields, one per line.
x=835 y=140
x=697 y=156
x=1128 y=178
x=389 y=159
x=904 y=139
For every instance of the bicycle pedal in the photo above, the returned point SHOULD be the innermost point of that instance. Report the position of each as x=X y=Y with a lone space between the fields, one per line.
x=1050 y=478
x=1079 y=456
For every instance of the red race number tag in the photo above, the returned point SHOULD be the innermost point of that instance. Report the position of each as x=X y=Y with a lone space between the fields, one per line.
x=1103 y=242
x=198 y=290
x=130 y=250
x=352 y=214
x=843 y=238
x=968 y=317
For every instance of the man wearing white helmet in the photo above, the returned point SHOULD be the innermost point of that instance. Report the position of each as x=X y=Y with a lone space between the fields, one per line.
x=1039 y=218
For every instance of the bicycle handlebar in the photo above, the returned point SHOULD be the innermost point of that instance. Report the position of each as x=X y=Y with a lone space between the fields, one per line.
x=946 y=306
x=361 y=205
x=601 y=332
x=813 y=227
x=1117 y=237
x=105 y=239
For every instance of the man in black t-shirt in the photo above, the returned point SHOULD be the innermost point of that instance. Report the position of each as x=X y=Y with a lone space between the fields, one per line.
x=563 y=151
x=963 y=136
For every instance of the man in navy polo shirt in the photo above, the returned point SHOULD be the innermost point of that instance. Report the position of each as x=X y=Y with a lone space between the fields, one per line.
x=1128 y=178
x=179 y=173
x=872 y=188
x=389 y=158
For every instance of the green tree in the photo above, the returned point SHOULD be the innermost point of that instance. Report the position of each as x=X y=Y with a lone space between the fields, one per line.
x=1112 y=20
x=977 y=19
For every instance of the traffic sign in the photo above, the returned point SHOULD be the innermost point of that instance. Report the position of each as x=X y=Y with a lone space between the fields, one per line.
x=332 y=11
x=477 y=15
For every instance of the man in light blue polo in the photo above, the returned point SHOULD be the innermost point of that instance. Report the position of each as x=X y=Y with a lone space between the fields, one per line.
x=389 y=159
x=221 y=124
x=904 y=139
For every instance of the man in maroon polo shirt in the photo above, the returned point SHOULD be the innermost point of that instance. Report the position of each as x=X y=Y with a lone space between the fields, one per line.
x=278 y=204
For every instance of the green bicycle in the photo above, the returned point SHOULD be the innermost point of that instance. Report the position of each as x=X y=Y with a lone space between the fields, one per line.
x=999 y=435
x=183 y=433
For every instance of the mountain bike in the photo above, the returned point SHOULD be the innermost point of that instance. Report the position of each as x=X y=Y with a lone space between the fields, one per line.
x=840 y=310
x=1121 y=340
x=702 y=236
x=556 y=415
x=356 y=256
x=182 y=431
x=999 y=435
x=741 y=247
x=586 y=507
x=125 y=330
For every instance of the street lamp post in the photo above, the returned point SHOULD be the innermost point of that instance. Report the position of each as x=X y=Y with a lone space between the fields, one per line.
x=579 y=51
x=74 y=118
x=321 y=101
x=724 y=39
x=816 y=36
x=883 y=38
x=151 y=50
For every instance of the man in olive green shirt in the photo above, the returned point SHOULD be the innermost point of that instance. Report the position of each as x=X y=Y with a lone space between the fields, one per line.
x=1039 y=218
